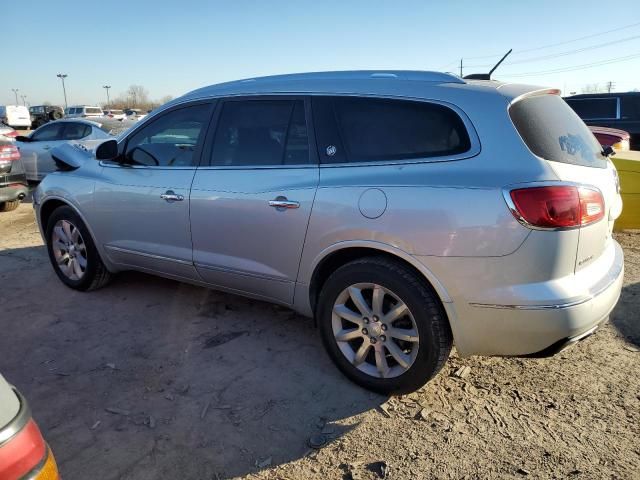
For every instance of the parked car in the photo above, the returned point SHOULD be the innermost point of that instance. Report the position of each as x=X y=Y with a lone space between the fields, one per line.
x=7 y=133
x=13 y=181
x=115 y=114
x=16 y=116
x=619 y=140
x=35 y=148
x=614 y=110
x=83 y=111
x=24 y=454
x=135 y=114
x=41 y=114
x=376 y=211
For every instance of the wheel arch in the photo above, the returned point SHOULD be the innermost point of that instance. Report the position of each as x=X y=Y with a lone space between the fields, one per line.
x=50 y=204
x=339 y=254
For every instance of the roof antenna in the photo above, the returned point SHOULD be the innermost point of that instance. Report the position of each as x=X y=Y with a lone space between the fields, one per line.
x=487 y=76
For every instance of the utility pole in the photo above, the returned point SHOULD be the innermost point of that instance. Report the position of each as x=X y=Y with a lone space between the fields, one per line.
x=62 y=76
x=24 y=100
x=460 y=68
x=610 y=86
x=107 y=87
x=15 y=92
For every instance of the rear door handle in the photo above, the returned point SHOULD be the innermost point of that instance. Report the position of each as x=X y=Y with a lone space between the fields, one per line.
x=170 y=196
x=281 y=203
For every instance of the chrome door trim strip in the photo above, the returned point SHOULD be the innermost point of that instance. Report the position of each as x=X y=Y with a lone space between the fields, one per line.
x=239 y=272
x=148 y=255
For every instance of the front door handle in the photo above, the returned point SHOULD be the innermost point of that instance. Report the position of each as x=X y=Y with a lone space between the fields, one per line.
x=170 y=196
x=281 y=203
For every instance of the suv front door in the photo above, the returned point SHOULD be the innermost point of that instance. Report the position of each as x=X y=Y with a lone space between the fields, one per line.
x=251 y=199
x=141 y=203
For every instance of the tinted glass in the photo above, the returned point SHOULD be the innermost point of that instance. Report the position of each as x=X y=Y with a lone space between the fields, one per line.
x=630 y=107
x=53 y=131
x=261 y=132
x=93 y=110
x=554 y=132
x=170 y=140
x=382 y=129
x=595 y=108
x=76 y=131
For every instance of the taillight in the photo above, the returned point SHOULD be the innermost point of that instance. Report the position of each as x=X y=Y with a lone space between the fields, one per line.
x=11 y=134
x=557 y=206
x=9 y=152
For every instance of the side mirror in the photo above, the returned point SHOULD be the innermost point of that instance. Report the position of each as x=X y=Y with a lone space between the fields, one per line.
x=107 y=150
x=22 y=138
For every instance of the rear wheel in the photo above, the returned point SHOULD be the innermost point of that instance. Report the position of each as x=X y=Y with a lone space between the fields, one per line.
x=8 y=206
x=55 y=115
x=72 y=252
x=383 y=326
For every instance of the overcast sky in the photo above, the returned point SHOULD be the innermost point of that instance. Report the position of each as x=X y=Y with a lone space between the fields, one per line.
x=171 y=47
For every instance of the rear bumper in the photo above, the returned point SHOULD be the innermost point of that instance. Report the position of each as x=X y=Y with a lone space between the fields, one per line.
x=13 y=191
x=533 y=327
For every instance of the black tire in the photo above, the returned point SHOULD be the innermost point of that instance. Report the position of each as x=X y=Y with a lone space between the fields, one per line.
x=96 y=274
x=55 y=115
x=435 y=338
x=8 y=206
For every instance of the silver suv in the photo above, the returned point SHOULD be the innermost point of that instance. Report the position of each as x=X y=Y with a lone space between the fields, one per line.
x=405 y=211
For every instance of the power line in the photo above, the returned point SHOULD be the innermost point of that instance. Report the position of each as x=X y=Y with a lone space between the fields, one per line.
x=574 y=67
x=517 y=52
x=563 y=54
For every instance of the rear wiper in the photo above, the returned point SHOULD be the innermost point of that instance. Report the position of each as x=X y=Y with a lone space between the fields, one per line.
x=608 y=151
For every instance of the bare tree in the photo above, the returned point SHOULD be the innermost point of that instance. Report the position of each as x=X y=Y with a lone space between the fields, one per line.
x=139 y=95
x=592 y=88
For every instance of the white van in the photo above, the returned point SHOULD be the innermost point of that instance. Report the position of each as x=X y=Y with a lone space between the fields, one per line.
x=16 y=116
x=84 y=111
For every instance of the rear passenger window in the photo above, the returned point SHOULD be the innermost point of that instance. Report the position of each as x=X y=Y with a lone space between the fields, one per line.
x=76 y=131
x=261 y=133
x=352 y=129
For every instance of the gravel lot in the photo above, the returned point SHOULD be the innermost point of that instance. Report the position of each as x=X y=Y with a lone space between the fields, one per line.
x=149 y=378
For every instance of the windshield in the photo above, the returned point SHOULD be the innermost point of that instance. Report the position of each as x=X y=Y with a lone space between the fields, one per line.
x=553 y=131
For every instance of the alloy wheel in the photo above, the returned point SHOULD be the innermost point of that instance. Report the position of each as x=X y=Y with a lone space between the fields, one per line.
x=375 y=330
x=69 y=250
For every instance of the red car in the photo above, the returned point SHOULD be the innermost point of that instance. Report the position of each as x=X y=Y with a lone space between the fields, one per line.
x=24 y=454
x=617 y=139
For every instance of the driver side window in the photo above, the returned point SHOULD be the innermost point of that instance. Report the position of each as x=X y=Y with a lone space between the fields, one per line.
x=170 y=140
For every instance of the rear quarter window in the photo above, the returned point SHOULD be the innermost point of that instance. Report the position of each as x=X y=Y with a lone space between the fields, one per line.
x=362 y=129
x=553 y=131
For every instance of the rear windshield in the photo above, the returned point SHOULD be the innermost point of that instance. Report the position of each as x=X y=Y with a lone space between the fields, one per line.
x=553 y=131
x=93 y=110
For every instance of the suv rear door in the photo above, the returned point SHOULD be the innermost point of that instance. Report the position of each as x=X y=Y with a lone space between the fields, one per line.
x=252 y=196
x=555 y=133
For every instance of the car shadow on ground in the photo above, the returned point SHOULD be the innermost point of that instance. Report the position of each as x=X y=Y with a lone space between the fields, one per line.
x=625 y=315
x=150 y=378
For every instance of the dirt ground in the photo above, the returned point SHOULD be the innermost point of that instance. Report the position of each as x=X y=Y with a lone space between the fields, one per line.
x=153 y=379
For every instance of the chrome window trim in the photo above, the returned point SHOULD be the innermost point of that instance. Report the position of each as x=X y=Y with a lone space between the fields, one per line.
x=506 y=195
x=474 y=149
x=18 y=422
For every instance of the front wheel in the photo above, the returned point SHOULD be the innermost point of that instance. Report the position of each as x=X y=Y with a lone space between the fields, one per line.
x=383 y=326
x=72 y=252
